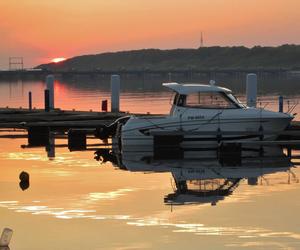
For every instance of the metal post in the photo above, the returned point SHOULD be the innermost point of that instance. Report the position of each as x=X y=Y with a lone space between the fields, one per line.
x=104 y=106
x=289 y=152
x=76 y=139
x=30 y=100
x=51 y=146
x=280 y=103
x=170 y=76
x=251 y=89
x=47 y=106
x=50 y=87
x=115 y=93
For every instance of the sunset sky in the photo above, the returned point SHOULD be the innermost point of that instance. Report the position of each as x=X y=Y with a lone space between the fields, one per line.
x=41 y=30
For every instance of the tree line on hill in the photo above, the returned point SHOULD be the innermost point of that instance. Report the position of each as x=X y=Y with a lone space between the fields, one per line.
x=204 y=58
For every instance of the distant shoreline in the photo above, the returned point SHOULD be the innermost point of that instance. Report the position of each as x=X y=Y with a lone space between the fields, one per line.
x=284 y=57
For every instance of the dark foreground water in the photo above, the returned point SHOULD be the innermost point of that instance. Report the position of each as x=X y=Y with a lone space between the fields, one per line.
x=82 y=200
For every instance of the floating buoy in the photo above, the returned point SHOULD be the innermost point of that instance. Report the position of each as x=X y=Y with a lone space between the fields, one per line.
x=24 y=176
x=24 y=180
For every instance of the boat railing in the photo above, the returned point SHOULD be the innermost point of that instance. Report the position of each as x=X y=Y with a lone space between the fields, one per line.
x=289 y=104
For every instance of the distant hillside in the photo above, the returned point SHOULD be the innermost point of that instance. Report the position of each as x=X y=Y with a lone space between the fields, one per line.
x=285 y=56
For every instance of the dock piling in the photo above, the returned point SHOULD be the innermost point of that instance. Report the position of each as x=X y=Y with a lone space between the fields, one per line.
x=104 y=106
x=38 y=136
x=30 y=100
x=76 y=139
x=281 y=103
x=115 y=93
x=251 y=89
x=47 y=101
x=50 y=87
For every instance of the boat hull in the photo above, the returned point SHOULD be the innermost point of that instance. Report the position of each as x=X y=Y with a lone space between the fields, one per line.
x=196 y=133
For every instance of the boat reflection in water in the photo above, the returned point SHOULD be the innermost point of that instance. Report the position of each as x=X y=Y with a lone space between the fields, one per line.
x=205 y=176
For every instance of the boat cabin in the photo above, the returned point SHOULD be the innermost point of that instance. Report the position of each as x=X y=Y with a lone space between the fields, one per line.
x=203 y=96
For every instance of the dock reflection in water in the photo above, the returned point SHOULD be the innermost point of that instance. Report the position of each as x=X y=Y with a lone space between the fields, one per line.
x=74 y=195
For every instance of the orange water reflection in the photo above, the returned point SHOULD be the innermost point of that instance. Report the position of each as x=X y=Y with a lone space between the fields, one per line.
x=73 y=195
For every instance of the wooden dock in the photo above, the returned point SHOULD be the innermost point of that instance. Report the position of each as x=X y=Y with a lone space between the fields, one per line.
x=19 y=118
x=38 y=121
x=57 y=119
x=79 y=126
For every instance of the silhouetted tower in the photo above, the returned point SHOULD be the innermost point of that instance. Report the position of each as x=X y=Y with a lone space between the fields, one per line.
x=201 y=40
x=16 y=63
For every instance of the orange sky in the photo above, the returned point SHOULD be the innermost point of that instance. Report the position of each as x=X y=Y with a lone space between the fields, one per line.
x=40 y=30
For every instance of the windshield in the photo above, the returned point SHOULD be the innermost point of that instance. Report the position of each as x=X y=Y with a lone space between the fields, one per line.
x=207 y=100
x=236 y=100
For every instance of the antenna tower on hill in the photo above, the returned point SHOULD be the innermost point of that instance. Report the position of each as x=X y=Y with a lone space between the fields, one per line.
x=201 y=40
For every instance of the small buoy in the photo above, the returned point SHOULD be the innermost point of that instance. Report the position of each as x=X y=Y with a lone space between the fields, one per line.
x=24 y=185
x=24 y=176
x=24 y=180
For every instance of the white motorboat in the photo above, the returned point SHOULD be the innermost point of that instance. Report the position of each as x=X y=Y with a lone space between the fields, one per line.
x=205 y=114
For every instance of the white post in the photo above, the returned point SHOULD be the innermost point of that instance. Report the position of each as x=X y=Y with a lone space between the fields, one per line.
x=6 y=237
x=50 y=87
x=115 y=93
x=251 y=89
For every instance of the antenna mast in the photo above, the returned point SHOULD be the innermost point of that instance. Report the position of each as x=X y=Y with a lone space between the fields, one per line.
x=201 y=40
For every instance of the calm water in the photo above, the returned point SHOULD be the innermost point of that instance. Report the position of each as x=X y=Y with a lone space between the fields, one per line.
x=137 y=94
x=74 y=201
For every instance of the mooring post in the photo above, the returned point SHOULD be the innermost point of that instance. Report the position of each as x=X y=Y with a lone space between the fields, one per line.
x=115 y=93
x=47 y=106
x=50 y=148
x=38 y=136
x=170 y=76
x=50 y=87
x=6 y=237
x=76 y=139
x=261 y=133
x=251 y=89
x=30 y=100
x=289 y=152
x=104 y=106
x=280 y=102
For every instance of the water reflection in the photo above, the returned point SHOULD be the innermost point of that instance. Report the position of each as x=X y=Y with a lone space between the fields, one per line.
x=204 y=176
x=111 y=192
x=137 y=93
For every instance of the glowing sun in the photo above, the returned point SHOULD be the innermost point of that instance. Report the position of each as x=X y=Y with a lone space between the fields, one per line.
x=58 y=59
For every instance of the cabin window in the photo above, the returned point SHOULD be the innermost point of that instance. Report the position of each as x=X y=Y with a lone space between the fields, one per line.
x=179 y=100
x=213 y=100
